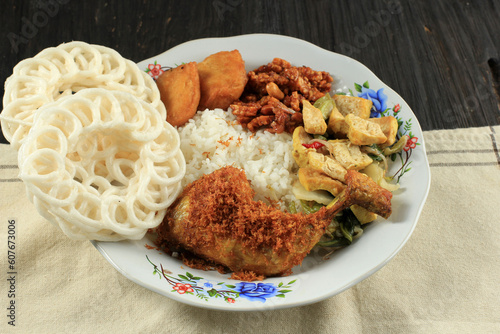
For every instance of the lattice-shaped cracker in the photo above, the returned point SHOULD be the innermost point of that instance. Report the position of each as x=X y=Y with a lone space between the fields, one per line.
x=61 y=71
x=101 y=164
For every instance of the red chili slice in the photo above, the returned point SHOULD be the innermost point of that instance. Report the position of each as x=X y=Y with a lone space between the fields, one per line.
x=314 y=145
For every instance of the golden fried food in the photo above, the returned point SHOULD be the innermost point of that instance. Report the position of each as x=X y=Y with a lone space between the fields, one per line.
x=222 y=79
x=180 y=92
x=217 y=219
x=274 y=93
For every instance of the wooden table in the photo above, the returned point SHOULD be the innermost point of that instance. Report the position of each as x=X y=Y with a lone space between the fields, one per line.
x=442 y=57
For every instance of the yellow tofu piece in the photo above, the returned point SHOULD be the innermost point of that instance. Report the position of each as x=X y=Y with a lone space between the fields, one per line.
x=389 y=126
x=327 y=165
x=364 y=216
x=337 y=125
x=314 y=123
x=348 y=155
x=299 y=153
x=312 y=179
x=353 y=105
x=363 y=132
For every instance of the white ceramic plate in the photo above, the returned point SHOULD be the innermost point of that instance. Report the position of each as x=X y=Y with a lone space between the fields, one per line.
x=316 y=279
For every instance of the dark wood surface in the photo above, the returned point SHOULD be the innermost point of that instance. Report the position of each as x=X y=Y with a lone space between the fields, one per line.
x=442 y=57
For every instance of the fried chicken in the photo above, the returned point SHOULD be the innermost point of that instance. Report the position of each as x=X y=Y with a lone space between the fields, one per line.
x=217 y=219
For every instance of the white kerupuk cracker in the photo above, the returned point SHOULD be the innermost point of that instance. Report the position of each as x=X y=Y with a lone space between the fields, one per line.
x=101 y=164
x=61 y=71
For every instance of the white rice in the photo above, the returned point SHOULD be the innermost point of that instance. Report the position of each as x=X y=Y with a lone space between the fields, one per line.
x=213 y=139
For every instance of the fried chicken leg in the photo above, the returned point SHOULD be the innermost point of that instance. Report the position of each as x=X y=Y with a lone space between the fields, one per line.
x=217 y=219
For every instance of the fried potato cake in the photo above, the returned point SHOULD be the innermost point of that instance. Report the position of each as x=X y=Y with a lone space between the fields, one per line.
x=180 y=92
x=222 y=79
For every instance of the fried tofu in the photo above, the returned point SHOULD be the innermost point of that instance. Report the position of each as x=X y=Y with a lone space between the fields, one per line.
x=222 y=79
x=180 y=92
x=389 y=126
x=363 y=132
x=299 y=137
x=353 y=105
x=349 y=156
x=345 y=105
x=314 y=122
x=327 y=165
x=312 y=179
x=337 y=125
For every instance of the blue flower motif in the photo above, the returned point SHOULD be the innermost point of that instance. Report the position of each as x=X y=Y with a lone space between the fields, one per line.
x=256 y=292
x=206 y=284
x=378 y=98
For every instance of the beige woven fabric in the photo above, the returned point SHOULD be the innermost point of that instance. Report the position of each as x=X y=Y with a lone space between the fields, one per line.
x=445 y=280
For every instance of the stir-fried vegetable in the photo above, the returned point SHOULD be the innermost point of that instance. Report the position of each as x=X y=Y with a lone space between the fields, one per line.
x=310 y=206
x=348 y=229
x=343 y=229
x=363 y=154
x=401 y=143
x=376 y=154
x=325 y=104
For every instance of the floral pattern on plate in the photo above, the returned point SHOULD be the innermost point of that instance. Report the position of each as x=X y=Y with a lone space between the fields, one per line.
x=188 y=284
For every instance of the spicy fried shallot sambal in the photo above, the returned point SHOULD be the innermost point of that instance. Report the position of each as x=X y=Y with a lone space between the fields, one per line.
x=273 y=96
